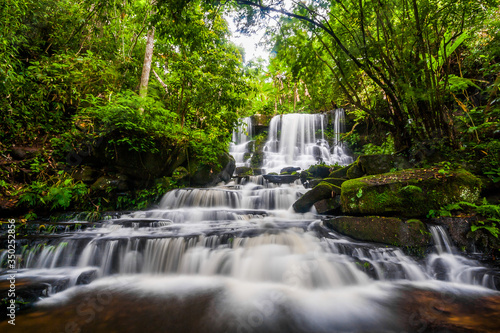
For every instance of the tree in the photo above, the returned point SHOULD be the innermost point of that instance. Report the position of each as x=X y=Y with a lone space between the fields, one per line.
x=403 y=48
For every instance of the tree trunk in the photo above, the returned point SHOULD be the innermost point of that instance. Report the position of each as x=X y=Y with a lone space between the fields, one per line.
x=146 y=68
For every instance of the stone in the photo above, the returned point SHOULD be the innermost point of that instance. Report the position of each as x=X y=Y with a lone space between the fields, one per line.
x=408 y=193
x=180 y=173
x=319 y=171
x=340 y=173
x=322 y=191
x=387 y=230
x=378 y=164
x=243 y=171
x=335 y=181
x=260 y=123
x=355 y=171
x=328 y=206
x=289 y=170
x=281 y=179
x=206 y=175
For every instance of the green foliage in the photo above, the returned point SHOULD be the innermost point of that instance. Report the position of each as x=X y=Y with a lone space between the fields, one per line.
x=58 y=192
x=387 y=147
x=488 y=215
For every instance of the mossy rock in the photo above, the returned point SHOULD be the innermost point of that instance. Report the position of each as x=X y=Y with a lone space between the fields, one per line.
x=355 y=171
x=409 y=193
x=258 y=151
x=328 y=206
x=335 y=181
x=322 y=191
x=206 y=175
x=378 y=164
x=243 y=171
x=180 y=173
x=319 y=171
x=340 y=173
x=386 y=230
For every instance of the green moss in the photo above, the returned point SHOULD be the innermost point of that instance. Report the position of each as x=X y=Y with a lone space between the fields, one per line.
x=409 y=193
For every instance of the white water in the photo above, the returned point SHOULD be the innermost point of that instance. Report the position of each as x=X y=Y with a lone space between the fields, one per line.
x=298 y=140
x=242 y=136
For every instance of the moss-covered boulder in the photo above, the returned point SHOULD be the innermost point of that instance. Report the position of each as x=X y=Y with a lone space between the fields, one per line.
x=322 y=191
x=328 y=206
x=340 y=173
x=205 y=175
x=243 y=171
x=410 y=193
x=258 y=152
x=334 y=181
x=386 y=230
x=354 y=171
x=281 y=179
x=260 y=122
x=378 y=164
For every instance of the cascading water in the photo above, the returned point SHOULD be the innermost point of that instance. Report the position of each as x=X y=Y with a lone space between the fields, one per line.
x=235 y=258
x=299 y=140
x=239 y=147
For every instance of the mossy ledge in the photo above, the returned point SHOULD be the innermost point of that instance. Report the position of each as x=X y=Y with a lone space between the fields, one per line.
x=411 y=235
x=408 y=193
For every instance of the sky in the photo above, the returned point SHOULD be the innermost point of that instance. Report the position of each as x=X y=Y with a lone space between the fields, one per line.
x=249 y=43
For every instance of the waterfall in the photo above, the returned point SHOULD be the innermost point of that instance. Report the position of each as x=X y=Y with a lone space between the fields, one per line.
x=296 y=140
x=239 y=147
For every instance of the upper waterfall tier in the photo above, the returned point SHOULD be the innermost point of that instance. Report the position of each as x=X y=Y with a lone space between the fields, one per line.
x=299 y=140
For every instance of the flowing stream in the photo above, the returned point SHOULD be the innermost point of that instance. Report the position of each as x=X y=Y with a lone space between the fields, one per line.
x=236 y=258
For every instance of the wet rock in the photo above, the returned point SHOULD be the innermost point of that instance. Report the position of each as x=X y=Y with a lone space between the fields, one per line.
x=281 y=179
x=408 y=193
x=386 y=230
x=205 y=175
x=322 y=191
x=354 y=171
x=261 y=122
x=289 y=170
x=378 y=164
x=257 y=171
x=243 y=171
x=319 y=171
x=340 y=173
x=328 y=206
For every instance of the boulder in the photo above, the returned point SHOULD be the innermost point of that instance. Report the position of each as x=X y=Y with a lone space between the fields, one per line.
x=261 y=122
x=335 y=181
x=243 y=171
x=409 y=193
x=340 y=173
x=319 y=171
x=281 y=179
x=180 y=173
x=328 y=206
x=289 y=170
x=354 y=171
x=386 y=230
x=322 y=191
x=378 y=164
x=205 y=175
